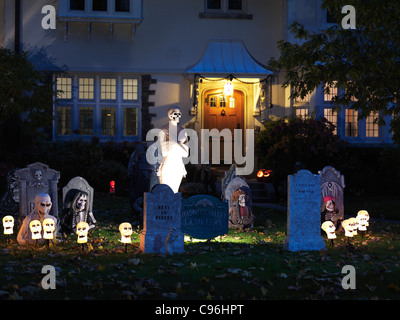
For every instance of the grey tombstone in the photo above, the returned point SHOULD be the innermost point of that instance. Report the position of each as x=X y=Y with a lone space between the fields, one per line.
x=303 y=215
x=332 y=184
x=34 y=179
x=72 y=188
x=162 y=221
x=204 y=217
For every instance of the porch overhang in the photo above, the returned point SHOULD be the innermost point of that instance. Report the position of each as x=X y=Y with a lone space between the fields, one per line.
x=228 y=57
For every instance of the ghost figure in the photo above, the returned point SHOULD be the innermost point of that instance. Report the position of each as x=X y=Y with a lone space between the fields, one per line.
x=330 y=229
x=125 y=229
x=366 y=214
x=8 y=224
x=173 y=145
x=49 y=226
x=348 y=228
x=82 y=230
x=36 y=229
x=362 y=221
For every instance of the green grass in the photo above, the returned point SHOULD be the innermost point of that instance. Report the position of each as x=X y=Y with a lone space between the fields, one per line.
x=239 y=265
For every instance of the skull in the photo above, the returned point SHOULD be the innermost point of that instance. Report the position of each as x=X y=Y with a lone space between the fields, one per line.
x=36 y=229
x=81 y=202
x=362 y=221
x=38 y=175
x=174 y=114
x=366 y=214
x=8 y=224
x=126 y=230
x=43 y=203
x=48 y=228
x=242 y=200
x=348 y=228
x=82 y=229
x=354 y=222
x=330 y=229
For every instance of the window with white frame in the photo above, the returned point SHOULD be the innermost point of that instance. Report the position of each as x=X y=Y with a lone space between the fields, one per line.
x=108 y=121
x=86 y=88
x=330 y=91
x=371 y=125
x=130 y=89
x=64 y=87
x=331 y=116
x=108 y=89
x=302 y=113
x=130 y=121
x=351 y=123
x=225 y=9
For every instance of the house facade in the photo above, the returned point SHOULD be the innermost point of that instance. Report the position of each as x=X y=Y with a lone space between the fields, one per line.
x=120 y=64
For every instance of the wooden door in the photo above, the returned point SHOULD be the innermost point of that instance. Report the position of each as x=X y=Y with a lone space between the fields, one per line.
x=222 y=112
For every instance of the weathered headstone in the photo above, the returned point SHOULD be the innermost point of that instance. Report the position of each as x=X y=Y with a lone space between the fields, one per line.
x=304 y=216
x=162 y=217
x=332 y=184
x=204 y=217
x=72 y=188
x=37 y=178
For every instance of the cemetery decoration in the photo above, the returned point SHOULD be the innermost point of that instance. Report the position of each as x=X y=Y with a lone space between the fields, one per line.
x=354 y=223
x=366 y=215
x=48 y=228
x=8 y=225
x=82 y=230
x=362 y=222
x=329 y=229
x=77 y=205
x=332 y=184
x=172 y=236
x=348 y=228
x=142 y=177
x=235 y=184
x=42 y=209
x=204 y=217
x=173 y=145
x=240 y=213
x=34 y=179
x=329 y=211
x=36 y=229
x=9 y=204
x=229 y=176
x=125 y=229
x=162 y=211
x=303 y=215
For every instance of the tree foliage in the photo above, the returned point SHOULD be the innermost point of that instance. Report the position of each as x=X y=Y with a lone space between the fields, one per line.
x=365 y=61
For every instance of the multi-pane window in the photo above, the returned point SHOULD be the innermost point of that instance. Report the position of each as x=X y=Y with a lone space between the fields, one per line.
x=213 y=101
x=99 y=5
x=222 y=101
x=86 y=88
x=122 y=5
x=224 y=5
x=302 y=113
x=330 y=92
x=108 y=124
x=299 y=100
x=130 y=89
x=63 y=121
x=64 y=87
x=372 y=126
x=331 y=116
x=108 y=89
x=86 y=120
x=130 y=121
x=351 y=123
x=77 y=5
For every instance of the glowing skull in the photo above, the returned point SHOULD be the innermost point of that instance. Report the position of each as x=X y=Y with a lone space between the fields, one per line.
x=8 y=224
x=354 y=223
x=366 y=214
x=348 y=228
x=126 y=231
x=36 y=229
x=362 y=221
x=330 y=229
x=82 y=229
x=48 y=228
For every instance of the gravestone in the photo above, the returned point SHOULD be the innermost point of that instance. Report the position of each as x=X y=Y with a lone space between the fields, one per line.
x=204 y=217
x=37 y=178
x=161 y=216
x=303 y=215
x=9 y=204
x=332 y=184
x=72 y=188
x=229 y=176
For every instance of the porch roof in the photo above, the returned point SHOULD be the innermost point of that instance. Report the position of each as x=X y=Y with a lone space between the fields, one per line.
x=224 y=57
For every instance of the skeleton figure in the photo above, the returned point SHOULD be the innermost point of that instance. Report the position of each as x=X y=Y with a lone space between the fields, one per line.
x=348 y=228
x=330 y=229
x=36 y=229
x=240 y=214
x=82 y=230
x=78 y=212
x=41 y=212
x=49 y=227
x=329 y=211
x=173 y=145
x=125 y=229
x=8 y=224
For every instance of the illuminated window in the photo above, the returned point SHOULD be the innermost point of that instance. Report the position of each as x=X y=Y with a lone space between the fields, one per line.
x=86 y=120
x=351 y=123
x=213 y=101
x=331 y=116
x=108 y=124
x=64 y=85
x=130 y=121
x=302 y=113
x=299 y=100
x=63 y=121
x=372 y=126
x=222 y=101
x=86 y=88
x=130 y=89
x=108 y=88
x=333 y=92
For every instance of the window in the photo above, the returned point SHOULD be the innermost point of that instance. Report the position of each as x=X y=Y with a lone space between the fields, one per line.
x=372 y=126
x=64 y=85
x=299 y=100
x=108 y=124
x=122 y=5
x=302 y=113
x=63 y=121
x=222 y=101
x=351 y=123
x=130 y=89
x=225 y=9
x=130 y=121
x=77 y=5
x=108 y=89
x=86 y=120
x=330 y=92
x=213 y=101
x=331 y=116
x=99 y=5
x=86 y=88
x=224 y=5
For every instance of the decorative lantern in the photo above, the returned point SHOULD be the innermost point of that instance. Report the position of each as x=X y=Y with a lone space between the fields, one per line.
x=228 y=88
x=8 y=224
x=354 y=223
x=48 y=228
x=348 y=228
x=330 y=229
x=36 y=229
x=112 y=186
x=362 y=221
x=366 y=214
x=125 y=229
x=82 y=230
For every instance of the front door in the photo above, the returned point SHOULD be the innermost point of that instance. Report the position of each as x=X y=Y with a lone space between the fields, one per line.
x=222 y=112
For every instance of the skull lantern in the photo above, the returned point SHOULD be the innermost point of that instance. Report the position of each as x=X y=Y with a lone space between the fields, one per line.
x=8 y=224
x=48 y=228
x=126 y=230
x=362 y=221
x=354 y=222
x=82 y=229
x=330 y=229
x=366 y=214
x=43 y=203
x=348 y=228
x=174 y=114
x=36 y=229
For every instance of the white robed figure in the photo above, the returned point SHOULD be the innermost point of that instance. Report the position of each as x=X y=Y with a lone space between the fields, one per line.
x=173 y=145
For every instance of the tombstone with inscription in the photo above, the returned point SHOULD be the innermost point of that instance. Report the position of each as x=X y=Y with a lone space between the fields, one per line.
x=34 y=179
x=162 y=219
x=204 y=217
x=303 y=216
x=332 y=184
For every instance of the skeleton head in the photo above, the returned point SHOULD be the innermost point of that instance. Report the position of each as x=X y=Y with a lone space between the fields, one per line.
x=174 y=114
x=36 y=229
x=126 y=230
x=81 y=202
x=38 y=175
x=48 y=228
x=354 y=222
x=43 y=203
x=366 y=214
x=330 y=203
x=8 y=224
x=362 y=220
x=348 y=228
x=82 y=229
x=330 y=229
